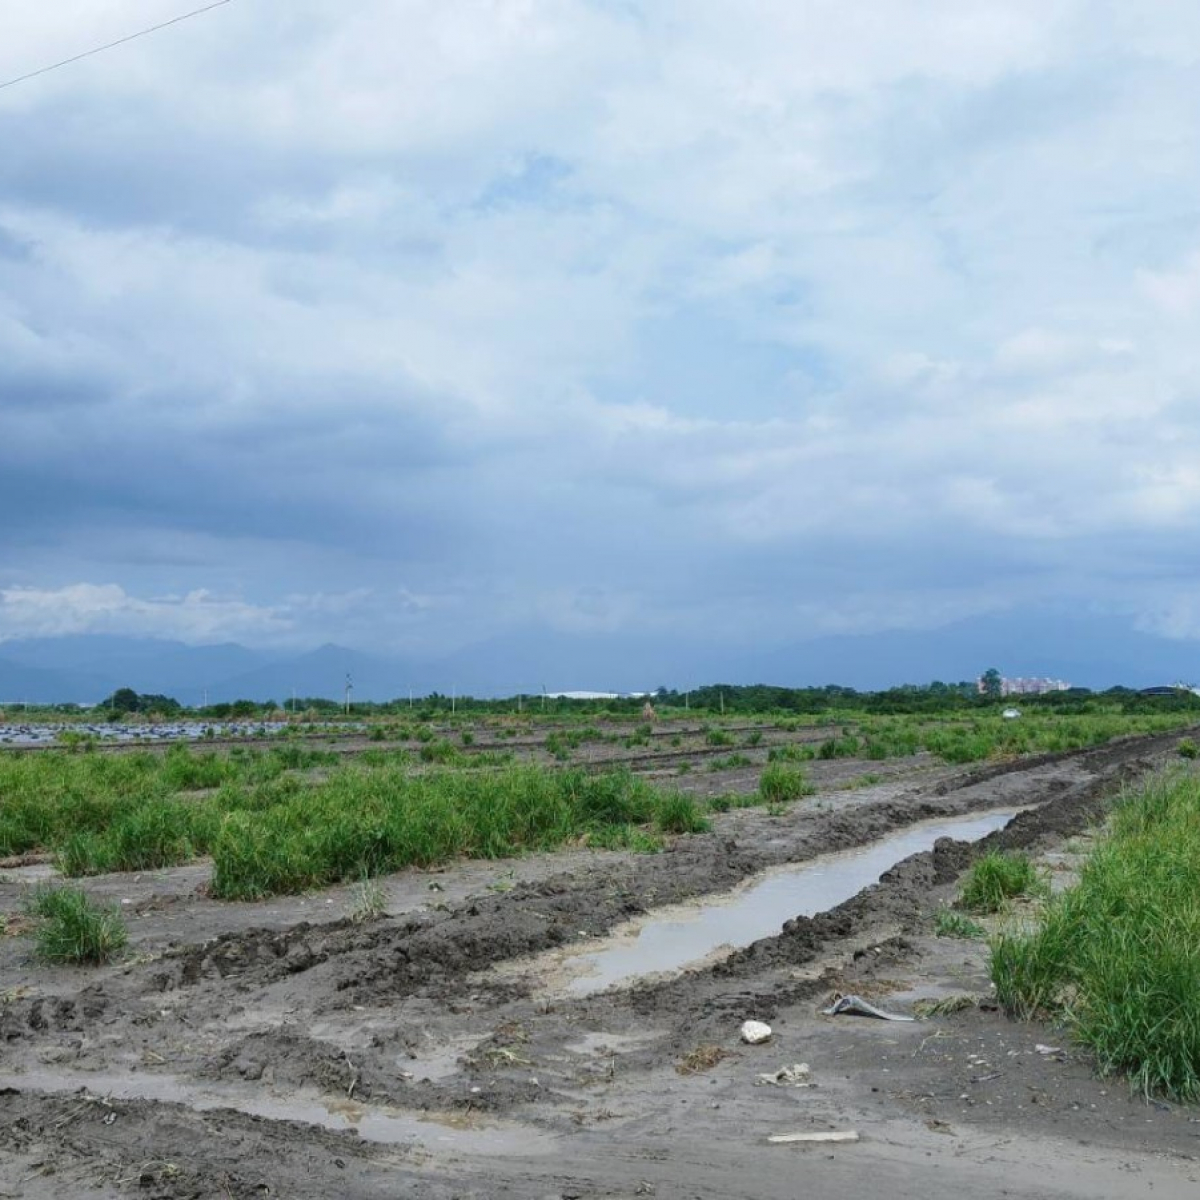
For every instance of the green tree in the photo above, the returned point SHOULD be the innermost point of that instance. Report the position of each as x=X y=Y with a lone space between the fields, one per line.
x=992 y=683
x=123 y=700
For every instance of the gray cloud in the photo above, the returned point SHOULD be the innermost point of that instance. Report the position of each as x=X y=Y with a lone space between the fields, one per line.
x=577 y=316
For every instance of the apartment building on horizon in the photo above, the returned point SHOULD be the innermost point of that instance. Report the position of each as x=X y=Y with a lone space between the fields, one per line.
x=1027 y=687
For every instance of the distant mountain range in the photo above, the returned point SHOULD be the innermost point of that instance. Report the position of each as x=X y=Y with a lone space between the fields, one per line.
x=1088 y=651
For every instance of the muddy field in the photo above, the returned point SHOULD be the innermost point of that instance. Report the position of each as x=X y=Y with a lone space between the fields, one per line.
x=468 y=1043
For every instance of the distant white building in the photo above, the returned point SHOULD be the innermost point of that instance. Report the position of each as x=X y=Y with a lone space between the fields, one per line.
x=596 y=695
x=1027 y=687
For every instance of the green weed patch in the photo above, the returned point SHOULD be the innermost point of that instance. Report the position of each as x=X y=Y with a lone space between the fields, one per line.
x=1117 y=957
x=369 y=822
x=997 y=878
x=781 y=782
x=70 y=928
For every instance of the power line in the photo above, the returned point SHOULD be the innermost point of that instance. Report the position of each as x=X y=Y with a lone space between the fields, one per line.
x=130 y=37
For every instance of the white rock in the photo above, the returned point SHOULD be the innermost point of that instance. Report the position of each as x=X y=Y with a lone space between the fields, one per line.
x=755 y=1033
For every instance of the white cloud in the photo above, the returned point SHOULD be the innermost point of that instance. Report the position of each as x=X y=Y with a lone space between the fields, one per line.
x=1175 y=292
x=107 y=608
x=590 y=280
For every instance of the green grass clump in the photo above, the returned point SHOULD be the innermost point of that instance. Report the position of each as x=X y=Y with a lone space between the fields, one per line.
x=74 y=929
x=158 y=833
x=735 y=800
x=677 y=813
x=997 y=878
x=440 y=751
x=1117 y=957
x=360 y=822
x=134 y=811
x=949 y=923
x=781 y=782
x=368 y=902
x=1187 y=748
x=791 y=752
x=731 y=762
x=846 y=746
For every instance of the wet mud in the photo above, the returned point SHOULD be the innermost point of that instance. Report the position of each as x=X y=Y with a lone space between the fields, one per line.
x=442 y=1051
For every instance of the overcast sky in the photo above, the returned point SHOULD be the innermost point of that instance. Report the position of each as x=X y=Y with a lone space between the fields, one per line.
x=407 y=323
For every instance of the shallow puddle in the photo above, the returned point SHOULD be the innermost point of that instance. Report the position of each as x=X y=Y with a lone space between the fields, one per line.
x=373 y=1123
x=602 y=1044
x=684 y=937
x=439 y=1062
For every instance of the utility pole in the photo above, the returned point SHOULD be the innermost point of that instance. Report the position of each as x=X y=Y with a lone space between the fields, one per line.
x=349 y=690
x=453 y=698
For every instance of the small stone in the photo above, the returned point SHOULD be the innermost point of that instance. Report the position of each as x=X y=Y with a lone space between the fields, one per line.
x=755 y=1033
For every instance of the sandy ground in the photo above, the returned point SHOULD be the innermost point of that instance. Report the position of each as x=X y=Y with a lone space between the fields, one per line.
x=278 y=1049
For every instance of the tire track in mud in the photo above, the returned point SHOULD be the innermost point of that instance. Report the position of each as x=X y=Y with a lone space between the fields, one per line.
x=65 y=1147
x=759 y=980
x=433 y=953
x=424 y=969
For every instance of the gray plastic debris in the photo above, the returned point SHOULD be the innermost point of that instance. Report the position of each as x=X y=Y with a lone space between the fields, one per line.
x=794 y=1076
x=754 y=1033
x=858 y=1007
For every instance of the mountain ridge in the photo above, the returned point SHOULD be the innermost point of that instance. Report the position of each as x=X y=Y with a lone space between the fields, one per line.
x=1092 y=652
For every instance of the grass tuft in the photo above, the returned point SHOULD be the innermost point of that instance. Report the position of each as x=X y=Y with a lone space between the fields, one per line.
x=678 y=813
x=703 y=1058
x=1117 y=957
x=71 y=928
x=949 y=923
x=368 y=901
x=791 y=752
x=997 y=878
x=781 y=782
x=360 y=822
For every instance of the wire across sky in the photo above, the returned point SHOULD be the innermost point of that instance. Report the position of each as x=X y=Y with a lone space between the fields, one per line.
x=129 y=37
